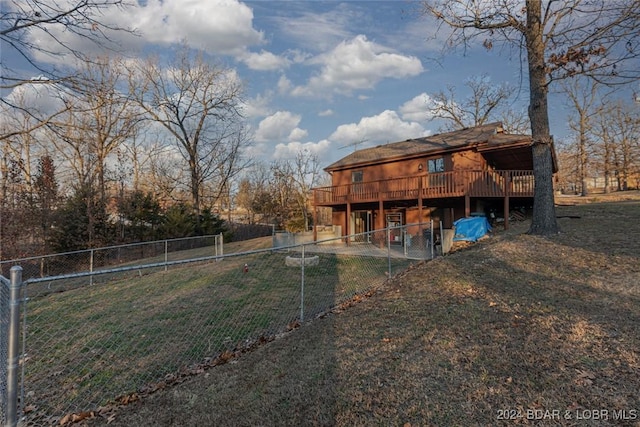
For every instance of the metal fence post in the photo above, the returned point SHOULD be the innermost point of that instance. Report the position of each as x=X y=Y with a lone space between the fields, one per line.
x=4 y=330
x=431 y=239
x=441 y=239
x=302 y=287
x=13 y=357
x=91 y=266
x=166 y=254
x=389 y=250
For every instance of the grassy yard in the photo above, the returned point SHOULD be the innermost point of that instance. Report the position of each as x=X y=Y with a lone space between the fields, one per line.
x=136 y=333
x=516 y=329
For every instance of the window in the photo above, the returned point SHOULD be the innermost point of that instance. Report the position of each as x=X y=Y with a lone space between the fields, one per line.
x=357 y=176
x=435 y=165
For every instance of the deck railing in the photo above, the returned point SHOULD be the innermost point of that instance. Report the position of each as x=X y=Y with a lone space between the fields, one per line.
x=475 y=183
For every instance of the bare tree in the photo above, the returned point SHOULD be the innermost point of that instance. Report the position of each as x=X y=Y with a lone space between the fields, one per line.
x=515 y=121
x=109 y=117
x=42 y=32
x=480 y=107
x=583 y=97
x=568 y=177
x=71 y=150
x=561 y=39
x=199 y=106
x=141 y=152
x=608 y=128
x=306 y=173
x=38 y=27
x=606 y=147
x=624 y=132
x=20 y=146
x=101 y=119
x=293 y=181
x=255 y=194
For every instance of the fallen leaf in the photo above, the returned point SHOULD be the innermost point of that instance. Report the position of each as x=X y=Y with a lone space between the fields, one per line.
x=65 y=420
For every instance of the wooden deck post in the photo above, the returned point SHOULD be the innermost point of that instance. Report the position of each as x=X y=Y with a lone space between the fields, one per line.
x=506 y=212
x=507 y=184
x=467 y=205
x=380 y=220
x=315 y=224
x=348 y=220
x=420 y=201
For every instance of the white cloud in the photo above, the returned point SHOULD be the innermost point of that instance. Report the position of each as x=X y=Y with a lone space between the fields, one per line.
x=416 y=109
x=297 y=134
x=280 y=126
x=382 y=128
x=319 y=31
x=326 y=113
x=357 y=64
x=284 y=85
x=216 y=26
x=289 y=151
x=41 y=96
x=257 y=107
x=264 y=61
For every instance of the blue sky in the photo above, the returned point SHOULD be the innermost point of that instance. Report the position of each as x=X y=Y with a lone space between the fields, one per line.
x=322 y=75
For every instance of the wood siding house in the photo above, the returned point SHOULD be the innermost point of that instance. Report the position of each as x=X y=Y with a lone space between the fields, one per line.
x=442 y=177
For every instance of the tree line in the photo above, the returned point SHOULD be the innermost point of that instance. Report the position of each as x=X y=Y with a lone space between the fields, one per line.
x=604 y=148
x=114 y=149
x=136 y=150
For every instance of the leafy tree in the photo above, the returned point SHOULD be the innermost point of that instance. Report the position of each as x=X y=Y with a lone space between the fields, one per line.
x=211 y=223
x=178 y=221
x=264 y=202
x=142 y=216
x=81 y=222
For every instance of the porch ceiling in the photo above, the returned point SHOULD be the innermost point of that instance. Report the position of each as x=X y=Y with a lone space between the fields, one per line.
x=520 y=158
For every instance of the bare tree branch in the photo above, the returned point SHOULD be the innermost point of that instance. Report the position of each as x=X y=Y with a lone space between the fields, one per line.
x=562 y=39
x=85 y=19
x=198 y=105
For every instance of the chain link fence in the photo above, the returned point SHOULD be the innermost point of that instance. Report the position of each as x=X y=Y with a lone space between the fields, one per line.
x=4 y=328
x=96 y=260
x=140 y=328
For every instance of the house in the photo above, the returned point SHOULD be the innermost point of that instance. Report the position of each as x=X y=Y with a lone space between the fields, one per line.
x=442 y=177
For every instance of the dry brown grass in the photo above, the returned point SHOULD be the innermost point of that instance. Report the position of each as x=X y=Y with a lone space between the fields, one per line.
x=515 y=322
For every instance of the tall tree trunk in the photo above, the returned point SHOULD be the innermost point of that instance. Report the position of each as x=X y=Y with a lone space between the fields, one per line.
x=607 y=166
x=195 y=185
x=544 y=214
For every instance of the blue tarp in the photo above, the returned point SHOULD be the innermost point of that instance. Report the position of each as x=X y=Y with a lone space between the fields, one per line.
x=471 y=229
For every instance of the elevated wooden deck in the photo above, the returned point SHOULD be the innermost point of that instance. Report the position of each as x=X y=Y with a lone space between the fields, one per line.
x=490 y=183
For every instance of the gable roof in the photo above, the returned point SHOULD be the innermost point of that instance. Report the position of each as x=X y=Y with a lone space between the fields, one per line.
x=490 y=136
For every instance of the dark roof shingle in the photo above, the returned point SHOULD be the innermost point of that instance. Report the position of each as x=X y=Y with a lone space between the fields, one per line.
x=491 y=134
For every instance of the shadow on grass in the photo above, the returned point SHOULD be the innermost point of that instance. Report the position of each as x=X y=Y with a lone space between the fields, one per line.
x=131 y=337
x=477 y=338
